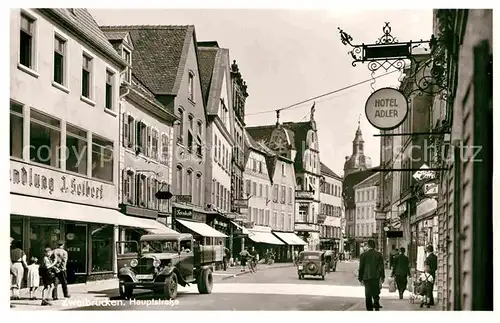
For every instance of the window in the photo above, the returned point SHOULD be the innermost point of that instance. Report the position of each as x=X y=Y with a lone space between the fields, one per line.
x=283 y=194
x=261 y=216
x=76 y=150
x=224 y=198
x=164 y=149
x=290 y=195
x=102 y=158
x=248 y=187
x=179 y=180
x=86 y=75
x=102 y=247
x=213 y=192
x=274 y=220
x=109 y=89
x=254 y=165
x=283 y=170
x=45 y=139
x=215 y=147
x=217 y=194
x=139 y=189
x=267 y=192
x=128 y=58
x=223 y=156
x=260 y=167
x=128 y=179
x=189 y=182
x=199 y=188
x=26 y=44
x=16 y=130
x=219 y=151
x=180 y=135
x=254 y=189
x=59 y=53
x=266 y=220
x=260 y=190
x=221 y=203
x=191 y=86
x=275 y=193
x=154 y=144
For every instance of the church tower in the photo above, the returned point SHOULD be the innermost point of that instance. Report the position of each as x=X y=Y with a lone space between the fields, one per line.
x=358 y=161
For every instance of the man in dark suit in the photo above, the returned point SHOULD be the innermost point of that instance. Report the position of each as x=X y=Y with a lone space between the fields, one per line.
x=371 y=274
x=401 y=271
x=61 y=257
x=431 y=261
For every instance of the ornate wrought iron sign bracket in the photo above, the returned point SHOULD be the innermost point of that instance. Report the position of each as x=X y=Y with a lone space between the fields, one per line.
x=427 y=65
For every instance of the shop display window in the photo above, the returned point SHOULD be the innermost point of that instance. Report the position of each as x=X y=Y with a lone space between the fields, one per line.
x=76 y=245
x=44 y=233
x=102 y=247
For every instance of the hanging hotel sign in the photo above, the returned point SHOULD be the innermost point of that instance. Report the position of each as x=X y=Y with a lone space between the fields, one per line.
x=42 y=182
x=386 y=108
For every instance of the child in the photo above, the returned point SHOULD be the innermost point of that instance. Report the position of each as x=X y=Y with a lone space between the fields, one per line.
x=47 y=274
x=33 y=277
x=426 y=280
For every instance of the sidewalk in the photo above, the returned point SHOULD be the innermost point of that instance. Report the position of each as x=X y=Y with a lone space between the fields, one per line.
x=104 y=291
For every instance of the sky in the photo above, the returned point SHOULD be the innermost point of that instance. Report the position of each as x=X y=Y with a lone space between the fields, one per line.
x=288 y=56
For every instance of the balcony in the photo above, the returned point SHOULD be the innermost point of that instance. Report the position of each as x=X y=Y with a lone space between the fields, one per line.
x=304 y=195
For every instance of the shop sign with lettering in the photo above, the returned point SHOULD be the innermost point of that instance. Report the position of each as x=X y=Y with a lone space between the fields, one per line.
x=386 y=108
x=47 y=183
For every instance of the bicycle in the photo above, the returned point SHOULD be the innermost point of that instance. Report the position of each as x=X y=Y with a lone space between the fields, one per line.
x=252 y=265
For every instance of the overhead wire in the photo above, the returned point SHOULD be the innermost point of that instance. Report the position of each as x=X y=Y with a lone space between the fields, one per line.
x=322 y=95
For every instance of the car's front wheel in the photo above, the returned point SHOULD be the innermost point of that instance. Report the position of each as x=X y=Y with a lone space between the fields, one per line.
x=170 y=286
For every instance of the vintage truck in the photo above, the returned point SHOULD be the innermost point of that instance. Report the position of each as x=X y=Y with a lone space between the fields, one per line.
x=161 y=262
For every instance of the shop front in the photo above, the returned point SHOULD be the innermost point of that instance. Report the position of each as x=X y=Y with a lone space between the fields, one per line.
x=48 y=206
x=266 y=243
x=424 y=227
x=189 y=219
x=293 y=242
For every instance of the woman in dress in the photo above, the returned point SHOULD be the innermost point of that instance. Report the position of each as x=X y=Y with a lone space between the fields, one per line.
x=18 y=263
x=47 y=275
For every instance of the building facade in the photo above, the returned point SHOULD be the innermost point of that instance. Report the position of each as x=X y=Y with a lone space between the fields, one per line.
x=465 y=213
x=174 y=79
x=331 y=210
x=366 y=197
x=299 y=142
x=239 y=94
x=146 y=132
x=64 y=77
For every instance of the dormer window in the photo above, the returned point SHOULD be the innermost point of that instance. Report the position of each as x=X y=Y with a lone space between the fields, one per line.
x=127 y=56
x=191 y=86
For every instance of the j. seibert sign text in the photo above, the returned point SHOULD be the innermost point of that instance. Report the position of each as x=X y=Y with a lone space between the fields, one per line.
x=46 y=183
x=386 y=108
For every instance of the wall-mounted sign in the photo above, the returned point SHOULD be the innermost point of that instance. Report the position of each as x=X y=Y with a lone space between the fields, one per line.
x=304 y=195
x=42 y=182
x=396 y=223
x=183 y=198
x=386 y=108
x=189 y=215
x=242 y=204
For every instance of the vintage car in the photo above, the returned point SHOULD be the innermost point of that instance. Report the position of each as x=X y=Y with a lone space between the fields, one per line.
x=311 y=263
x=330 y=260
x=161 y=262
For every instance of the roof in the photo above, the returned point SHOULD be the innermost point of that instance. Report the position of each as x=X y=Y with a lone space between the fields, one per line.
x=296 y=131
x=160 y=54
x=373 y=178
x=327 y=171
x=80 y=21
x=206 y=63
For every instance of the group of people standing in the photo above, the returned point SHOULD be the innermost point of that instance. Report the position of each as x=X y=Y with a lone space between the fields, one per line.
x=400 y=265
x=371 y=274
x=50 y=272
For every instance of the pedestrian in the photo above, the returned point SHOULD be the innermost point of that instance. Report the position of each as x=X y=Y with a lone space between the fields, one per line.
x=47 y=274
x=371 y=274
x=295 y=257
x=225 y=257
x=431 y=261
x=33 y=277
x=17 y=267
x=61 y=259
x=426 y=285
x=401 y=271
x=255 y=257
x=244 y=255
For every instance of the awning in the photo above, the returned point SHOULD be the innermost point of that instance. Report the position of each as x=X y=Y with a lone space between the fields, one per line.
x=264 y=237
x=154 y=226
x=44 y=208
x=243 y=230
x=202 y=229
x=290 y=238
